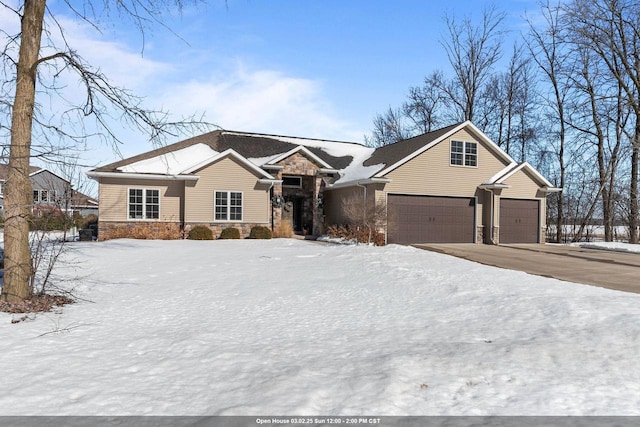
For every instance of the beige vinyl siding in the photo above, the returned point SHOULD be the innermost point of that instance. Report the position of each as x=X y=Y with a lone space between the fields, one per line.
x=114 y=198
x=334 y=213
x=522 y=186
x=334 y=201
x=431 y=172
x=226 y=175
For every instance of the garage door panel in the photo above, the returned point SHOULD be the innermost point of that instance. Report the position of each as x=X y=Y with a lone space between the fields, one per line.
x=431 y=219
x=519 y=221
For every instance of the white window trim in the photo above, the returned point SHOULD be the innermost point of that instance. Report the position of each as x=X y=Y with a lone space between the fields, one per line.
x=299 y=178
x=464 y=153
x=144 y=204
x=229 y=206
x=51 y=196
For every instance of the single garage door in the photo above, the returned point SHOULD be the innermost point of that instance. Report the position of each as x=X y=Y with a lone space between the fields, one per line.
x=519 y=221
x=430 y=219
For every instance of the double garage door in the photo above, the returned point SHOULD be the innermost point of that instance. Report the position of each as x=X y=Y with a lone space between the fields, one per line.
x=431 y=219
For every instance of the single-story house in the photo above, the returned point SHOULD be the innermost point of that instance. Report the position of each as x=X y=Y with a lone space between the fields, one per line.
x=51 y=190
x=450 y=185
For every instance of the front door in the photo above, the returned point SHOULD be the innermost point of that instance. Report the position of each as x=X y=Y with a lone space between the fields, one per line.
x=297 y=214
x=293 y=212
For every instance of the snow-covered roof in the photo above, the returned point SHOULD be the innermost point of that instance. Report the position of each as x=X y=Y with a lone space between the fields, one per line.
x=173 y=162
x=355 y=170
x=353 y=162
x=511 y=169
x=346 y=158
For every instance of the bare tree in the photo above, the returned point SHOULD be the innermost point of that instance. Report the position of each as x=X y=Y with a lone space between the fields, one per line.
x=425 y=103
x=505 y=99
x=368 y=215
x=611 y=30
x=599 y=115
x=388 y=128
x=43 y=65
x=546 y=47
x=473 y=50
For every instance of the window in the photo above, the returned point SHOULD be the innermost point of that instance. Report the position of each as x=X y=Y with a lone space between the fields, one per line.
x=144 y=203
x=228 y=206
x=464 y=153
x=42 y=196
x=292 y=181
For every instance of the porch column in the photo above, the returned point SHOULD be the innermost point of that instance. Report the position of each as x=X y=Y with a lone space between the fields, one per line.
x=318 y=217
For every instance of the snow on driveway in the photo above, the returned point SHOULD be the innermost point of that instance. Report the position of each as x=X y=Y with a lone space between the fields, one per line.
x=293 y=328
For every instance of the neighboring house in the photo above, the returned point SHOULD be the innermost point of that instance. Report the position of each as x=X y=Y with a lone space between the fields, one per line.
x=52 y=190
x=450 y=185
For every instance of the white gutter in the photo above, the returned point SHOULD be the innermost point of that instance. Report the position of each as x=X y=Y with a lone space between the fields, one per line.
x=273 y=167
x=157 y=177
x=490 y=187
x=551 y=190
x=364 y=202
x=270 y=181
x=359 y=183
x=328 y=170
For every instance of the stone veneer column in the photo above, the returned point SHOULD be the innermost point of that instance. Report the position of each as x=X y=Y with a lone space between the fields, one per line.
x=496 y=235
x=276 y=211
x=318 y=218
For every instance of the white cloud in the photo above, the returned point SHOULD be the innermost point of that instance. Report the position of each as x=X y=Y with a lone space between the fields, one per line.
x=122 y=65
x=261 y=101
x=229 y=93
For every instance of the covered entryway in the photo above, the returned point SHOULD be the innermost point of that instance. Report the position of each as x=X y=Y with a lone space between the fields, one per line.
x=519 y=221
x=431 y=219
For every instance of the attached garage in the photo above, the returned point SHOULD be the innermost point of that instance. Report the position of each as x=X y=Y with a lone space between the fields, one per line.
x=519 y=221
x=431 y=219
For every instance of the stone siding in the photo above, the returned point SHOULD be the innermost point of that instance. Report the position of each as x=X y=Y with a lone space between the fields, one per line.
x=139 y=230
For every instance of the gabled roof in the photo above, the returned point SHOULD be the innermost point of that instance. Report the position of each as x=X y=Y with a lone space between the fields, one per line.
x=510 y=170
x=354 y=162
x=227 y=153
x=82 y=200
x=395 y=155
x=180 y=160
x=305 y=151
x=4 y=171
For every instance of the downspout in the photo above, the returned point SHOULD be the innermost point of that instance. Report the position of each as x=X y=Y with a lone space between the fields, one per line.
x=271 y=204
x=364 y=200
x=364 y=208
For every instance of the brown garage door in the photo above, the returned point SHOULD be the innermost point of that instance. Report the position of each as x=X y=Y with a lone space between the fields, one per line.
x=429 y=219
x=519 y=221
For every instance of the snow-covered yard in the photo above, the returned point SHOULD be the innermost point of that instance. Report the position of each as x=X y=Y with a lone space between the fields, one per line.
x=291 y=327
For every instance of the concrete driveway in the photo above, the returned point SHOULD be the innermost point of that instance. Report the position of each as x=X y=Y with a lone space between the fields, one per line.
x=613 y=270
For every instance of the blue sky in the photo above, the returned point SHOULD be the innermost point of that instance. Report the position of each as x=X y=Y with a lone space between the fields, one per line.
x=307 y=68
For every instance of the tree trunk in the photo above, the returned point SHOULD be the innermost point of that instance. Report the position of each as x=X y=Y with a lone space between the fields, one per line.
x=560 y=221
x=633 y=193
x=18 y=197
